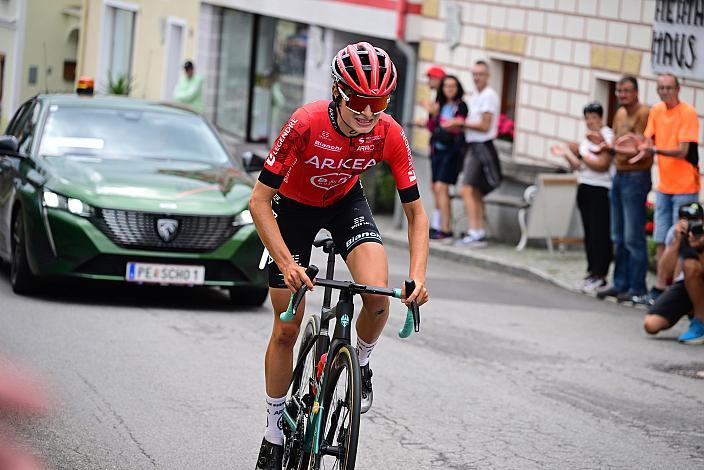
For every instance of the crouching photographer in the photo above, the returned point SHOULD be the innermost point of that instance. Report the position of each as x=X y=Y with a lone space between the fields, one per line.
x=684 y=257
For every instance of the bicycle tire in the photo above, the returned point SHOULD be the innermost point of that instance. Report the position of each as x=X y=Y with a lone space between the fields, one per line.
x=345 y=405
x=294 y=454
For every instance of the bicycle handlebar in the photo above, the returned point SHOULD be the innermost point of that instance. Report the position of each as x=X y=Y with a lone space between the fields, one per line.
x=412 y=315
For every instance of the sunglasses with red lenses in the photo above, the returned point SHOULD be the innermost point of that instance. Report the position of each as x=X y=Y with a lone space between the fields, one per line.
x=358 y=103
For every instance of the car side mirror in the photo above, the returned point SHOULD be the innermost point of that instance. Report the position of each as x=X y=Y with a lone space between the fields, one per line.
x=252 y=162
x=9 y=144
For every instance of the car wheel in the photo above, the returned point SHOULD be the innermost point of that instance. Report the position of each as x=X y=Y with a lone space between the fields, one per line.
x=21 y=277
x=248 y=296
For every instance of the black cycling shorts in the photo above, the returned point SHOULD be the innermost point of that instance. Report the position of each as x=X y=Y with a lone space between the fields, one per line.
x=348 y=220
x=672 y=304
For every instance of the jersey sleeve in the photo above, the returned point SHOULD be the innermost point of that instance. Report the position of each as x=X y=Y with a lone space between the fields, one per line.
x=397 y=152
x=292 y=140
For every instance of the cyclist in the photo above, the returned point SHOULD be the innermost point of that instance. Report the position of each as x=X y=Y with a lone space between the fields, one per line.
x=311 y=181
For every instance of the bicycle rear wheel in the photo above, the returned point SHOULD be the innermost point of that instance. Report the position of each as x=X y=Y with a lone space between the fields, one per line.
x=341 y=411
x=295 y=456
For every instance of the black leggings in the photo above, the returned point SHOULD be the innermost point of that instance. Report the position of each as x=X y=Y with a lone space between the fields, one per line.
x=595 y=209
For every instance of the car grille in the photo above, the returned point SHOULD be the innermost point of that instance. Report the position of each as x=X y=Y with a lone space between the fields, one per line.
x=138 y=230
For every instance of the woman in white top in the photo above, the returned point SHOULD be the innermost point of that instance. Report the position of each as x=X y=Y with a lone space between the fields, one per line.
x=595 y=170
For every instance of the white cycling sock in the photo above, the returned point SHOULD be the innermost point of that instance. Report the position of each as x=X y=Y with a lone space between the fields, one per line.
x=364 y=351
x=436 y=220
x=274 y=431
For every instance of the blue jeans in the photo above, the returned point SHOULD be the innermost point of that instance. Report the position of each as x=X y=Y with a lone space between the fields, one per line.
x=667 y=207
x=628 y=194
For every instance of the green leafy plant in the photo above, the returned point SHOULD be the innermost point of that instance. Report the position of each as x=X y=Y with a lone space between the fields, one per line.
x=122 y=85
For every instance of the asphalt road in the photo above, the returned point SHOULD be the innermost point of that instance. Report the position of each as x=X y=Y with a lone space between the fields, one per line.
x=506 y=373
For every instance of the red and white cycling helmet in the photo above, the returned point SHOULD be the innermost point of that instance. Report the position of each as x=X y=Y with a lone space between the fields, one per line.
x=365 y=69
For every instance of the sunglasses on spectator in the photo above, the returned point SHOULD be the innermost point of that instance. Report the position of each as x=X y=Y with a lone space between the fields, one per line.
x=358 y=103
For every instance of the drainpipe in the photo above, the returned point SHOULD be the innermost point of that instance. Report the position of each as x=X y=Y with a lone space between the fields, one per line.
x=408 y=91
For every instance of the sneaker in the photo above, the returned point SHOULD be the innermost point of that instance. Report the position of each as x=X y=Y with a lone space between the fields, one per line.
x=432 y=232
x=643 y=299
x=593 y=284
x=440 y=235
x=607 y=292
x=695 y=333
x=471 y=242
x=624 y=297
x=367 y=393
x=654 y=293
x=270 y=456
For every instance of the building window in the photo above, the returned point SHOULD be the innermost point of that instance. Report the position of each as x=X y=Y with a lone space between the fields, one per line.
x=119 y=35
x=234 y=72
x=506 y=79
x=279 y=76
x=260 y=82
x=605 y=93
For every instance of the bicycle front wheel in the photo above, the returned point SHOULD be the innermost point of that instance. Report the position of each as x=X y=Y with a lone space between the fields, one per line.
x=295 y=454
x=341 y=410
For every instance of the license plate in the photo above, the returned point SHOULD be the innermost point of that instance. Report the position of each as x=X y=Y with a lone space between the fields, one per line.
x=165 y=273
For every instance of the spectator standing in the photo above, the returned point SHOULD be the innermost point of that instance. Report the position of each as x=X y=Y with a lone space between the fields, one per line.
x=673 y=135
x=435 y=75
x=594 y=165
x=447 y=144
x=481 y=169
x=629 y=190
x=189 y=88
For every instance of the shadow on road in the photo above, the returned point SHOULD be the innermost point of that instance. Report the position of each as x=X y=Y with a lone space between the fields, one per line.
x=108 y=293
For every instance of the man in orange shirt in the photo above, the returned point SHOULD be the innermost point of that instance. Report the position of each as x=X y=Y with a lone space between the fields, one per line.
x=672 y=134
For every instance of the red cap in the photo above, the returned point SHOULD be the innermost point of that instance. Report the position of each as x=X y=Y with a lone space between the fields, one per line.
x=435 y=72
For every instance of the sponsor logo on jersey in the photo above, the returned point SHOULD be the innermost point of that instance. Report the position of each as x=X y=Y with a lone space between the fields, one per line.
x=325 y=135
x=411 y=173
x=324 y=146
x=365 y=148
x=271 y=158
x=336 y=164
x=329 y=181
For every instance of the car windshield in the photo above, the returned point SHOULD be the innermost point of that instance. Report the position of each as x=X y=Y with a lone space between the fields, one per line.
x=129 y=134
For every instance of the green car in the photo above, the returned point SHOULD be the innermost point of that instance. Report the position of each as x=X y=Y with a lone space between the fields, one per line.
x=119 y=189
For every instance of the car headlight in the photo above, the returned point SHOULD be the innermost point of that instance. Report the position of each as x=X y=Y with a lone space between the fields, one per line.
x=68 y=204
x=243 y=218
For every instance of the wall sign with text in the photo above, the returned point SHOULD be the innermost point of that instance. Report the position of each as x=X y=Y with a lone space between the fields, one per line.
x=678 y=38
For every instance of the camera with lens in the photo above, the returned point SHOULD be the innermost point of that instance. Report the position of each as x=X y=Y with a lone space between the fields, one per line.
x=693 y=211
x=695 y=227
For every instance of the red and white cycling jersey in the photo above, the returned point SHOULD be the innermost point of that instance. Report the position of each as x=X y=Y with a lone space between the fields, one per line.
x=312 y=163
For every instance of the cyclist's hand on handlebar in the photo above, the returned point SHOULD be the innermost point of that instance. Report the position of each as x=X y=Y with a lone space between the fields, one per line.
x=295 y=276
x=420 y=294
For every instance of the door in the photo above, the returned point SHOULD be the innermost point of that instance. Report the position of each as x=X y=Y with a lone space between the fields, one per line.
x=174 y=48
x=18 y=127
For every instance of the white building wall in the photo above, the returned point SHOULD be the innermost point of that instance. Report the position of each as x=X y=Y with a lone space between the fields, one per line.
x=568 y=46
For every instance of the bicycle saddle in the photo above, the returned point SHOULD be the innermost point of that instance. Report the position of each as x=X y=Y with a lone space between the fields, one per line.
x=323 y=239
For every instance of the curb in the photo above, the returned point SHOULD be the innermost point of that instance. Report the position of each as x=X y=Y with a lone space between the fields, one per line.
x=393 y=238
x=399 y=239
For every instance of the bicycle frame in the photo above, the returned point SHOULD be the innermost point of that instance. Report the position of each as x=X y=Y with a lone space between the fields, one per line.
x=343 y=312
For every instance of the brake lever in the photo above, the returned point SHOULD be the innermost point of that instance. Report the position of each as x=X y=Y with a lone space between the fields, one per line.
x=296 y=298
x=412 y=315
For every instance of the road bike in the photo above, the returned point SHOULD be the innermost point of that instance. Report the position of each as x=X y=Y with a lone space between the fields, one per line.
x=321 y=416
